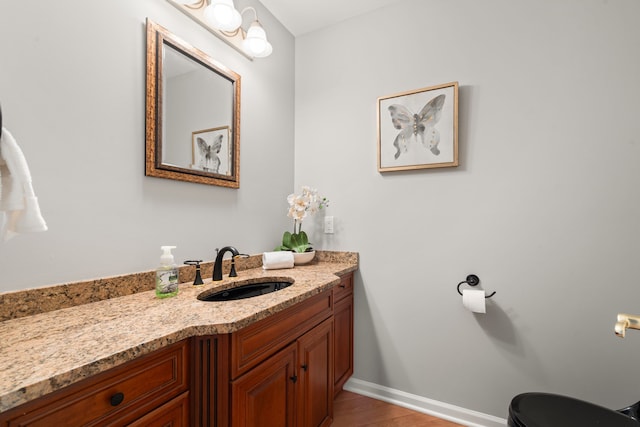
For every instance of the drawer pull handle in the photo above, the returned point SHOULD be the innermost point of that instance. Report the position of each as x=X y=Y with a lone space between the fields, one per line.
x=117 y=399
x=343 y=286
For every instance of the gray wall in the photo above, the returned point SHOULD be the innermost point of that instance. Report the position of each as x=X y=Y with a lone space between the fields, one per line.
x=544 y=206
x=72 y=89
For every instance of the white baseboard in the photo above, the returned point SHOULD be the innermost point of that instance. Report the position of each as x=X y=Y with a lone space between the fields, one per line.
x=446 y=411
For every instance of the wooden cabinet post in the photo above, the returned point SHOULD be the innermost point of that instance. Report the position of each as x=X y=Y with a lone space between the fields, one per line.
x=210 y=381
x=343 y=333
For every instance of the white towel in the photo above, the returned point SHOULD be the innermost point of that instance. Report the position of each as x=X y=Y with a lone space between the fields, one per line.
x=277 y=260
x=17 y=199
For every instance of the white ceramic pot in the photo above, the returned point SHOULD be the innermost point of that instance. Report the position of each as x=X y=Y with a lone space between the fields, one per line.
x=300 y=258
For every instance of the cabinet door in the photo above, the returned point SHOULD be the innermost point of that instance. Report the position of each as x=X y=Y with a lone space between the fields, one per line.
x=343 y=342
x=315 y=404
x=266 y=395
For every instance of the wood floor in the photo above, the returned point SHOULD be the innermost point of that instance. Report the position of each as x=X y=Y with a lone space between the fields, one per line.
x=354 y=410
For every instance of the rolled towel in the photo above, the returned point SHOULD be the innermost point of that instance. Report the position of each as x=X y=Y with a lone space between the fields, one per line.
x=277 y=260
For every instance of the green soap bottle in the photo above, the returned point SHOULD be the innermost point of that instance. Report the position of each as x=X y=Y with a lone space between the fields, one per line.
x=167 y=274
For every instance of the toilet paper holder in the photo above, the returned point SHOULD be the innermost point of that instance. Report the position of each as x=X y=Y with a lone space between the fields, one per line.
x=473 y=280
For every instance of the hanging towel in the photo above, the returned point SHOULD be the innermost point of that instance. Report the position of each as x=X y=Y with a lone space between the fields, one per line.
x=18 y=202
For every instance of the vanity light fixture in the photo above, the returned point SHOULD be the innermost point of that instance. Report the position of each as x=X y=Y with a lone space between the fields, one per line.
x=222 y=19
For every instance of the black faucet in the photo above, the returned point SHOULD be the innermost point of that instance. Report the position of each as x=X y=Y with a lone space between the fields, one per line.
x=217 y=265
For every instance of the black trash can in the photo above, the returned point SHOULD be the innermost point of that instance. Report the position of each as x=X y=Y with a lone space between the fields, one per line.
x=552 y=410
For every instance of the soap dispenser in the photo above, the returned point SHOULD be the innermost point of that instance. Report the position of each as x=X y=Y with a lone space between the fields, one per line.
x=167 y=274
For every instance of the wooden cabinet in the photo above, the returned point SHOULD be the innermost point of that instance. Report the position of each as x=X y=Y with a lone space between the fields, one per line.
x=253 y=377
x=343 y=332
x=282 y=368
x=115 y=397
x=294 y=387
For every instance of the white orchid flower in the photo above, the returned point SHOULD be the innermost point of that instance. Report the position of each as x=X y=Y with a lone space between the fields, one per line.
x=306 y=203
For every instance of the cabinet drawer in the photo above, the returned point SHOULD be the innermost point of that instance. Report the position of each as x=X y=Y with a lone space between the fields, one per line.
x=174 y=414
x=118 y=396
x=344 y=289
x=256 y=342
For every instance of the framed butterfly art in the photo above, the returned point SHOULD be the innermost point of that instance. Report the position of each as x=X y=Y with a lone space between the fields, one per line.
x=211 y=151
x=418 y=129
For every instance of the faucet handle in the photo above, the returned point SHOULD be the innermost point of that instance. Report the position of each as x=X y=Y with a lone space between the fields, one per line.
x=198 y=278
x=232 y=272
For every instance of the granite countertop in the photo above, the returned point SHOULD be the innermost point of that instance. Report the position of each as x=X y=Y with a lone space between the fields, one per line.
x=44 y=352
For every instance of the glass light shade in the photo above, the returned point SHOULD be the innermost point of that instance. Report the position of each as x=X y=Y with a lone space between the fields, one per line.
x=256 y=42
x=222 y=15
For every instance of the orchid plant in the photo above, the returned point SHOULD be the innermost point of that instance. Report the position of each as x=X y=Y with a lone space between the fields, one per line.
x=301 y=205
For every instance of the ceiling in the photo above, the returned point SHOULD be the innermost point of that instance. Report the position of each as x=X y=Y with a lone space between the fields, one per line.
x=305 y=16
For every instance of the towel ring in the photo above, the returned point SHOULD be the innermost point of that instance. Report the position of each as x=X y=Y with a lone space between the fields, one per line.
x=473 y=280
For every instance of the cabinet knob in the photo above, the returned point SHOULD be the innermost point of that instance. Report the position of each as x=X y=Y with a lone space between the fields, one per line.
x=304 y=367
x=294 y=378
x=117 y=399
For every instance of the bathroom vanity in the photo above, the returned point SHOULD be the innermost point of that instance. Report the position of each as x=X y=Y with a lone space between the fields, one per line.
x=277 y=359
x=286 y=368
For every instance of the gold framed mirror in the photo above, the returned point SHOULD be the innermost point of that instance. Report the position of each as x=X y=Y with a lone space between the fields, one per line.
x=192 y=113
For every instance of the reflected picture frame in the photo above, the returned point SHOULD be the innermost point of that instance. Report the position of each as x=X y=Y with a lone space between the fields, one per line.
x=418 y=129
x=211 y=151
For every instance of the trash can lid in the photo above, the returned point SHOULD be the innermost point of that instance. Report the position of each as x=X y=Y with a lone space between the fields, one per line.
x=553 y=410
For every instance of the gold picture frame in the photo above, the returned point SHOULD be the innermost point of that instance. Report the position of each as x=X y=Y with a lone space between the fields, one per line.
x=209 y=95
x=418 y=129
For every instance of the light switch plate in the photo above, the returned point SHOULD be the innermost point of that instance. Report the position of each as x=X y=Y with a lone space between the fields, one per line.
x=328 y=224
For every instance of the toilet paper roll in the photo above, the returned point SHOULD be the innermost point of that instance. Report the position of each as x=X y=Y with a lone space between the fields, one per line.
x=473 y=300
x=277 y=260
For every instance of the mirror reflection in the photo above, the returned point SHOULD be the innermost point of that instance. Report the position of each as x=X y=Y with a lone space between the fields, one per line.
x=193 y=113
